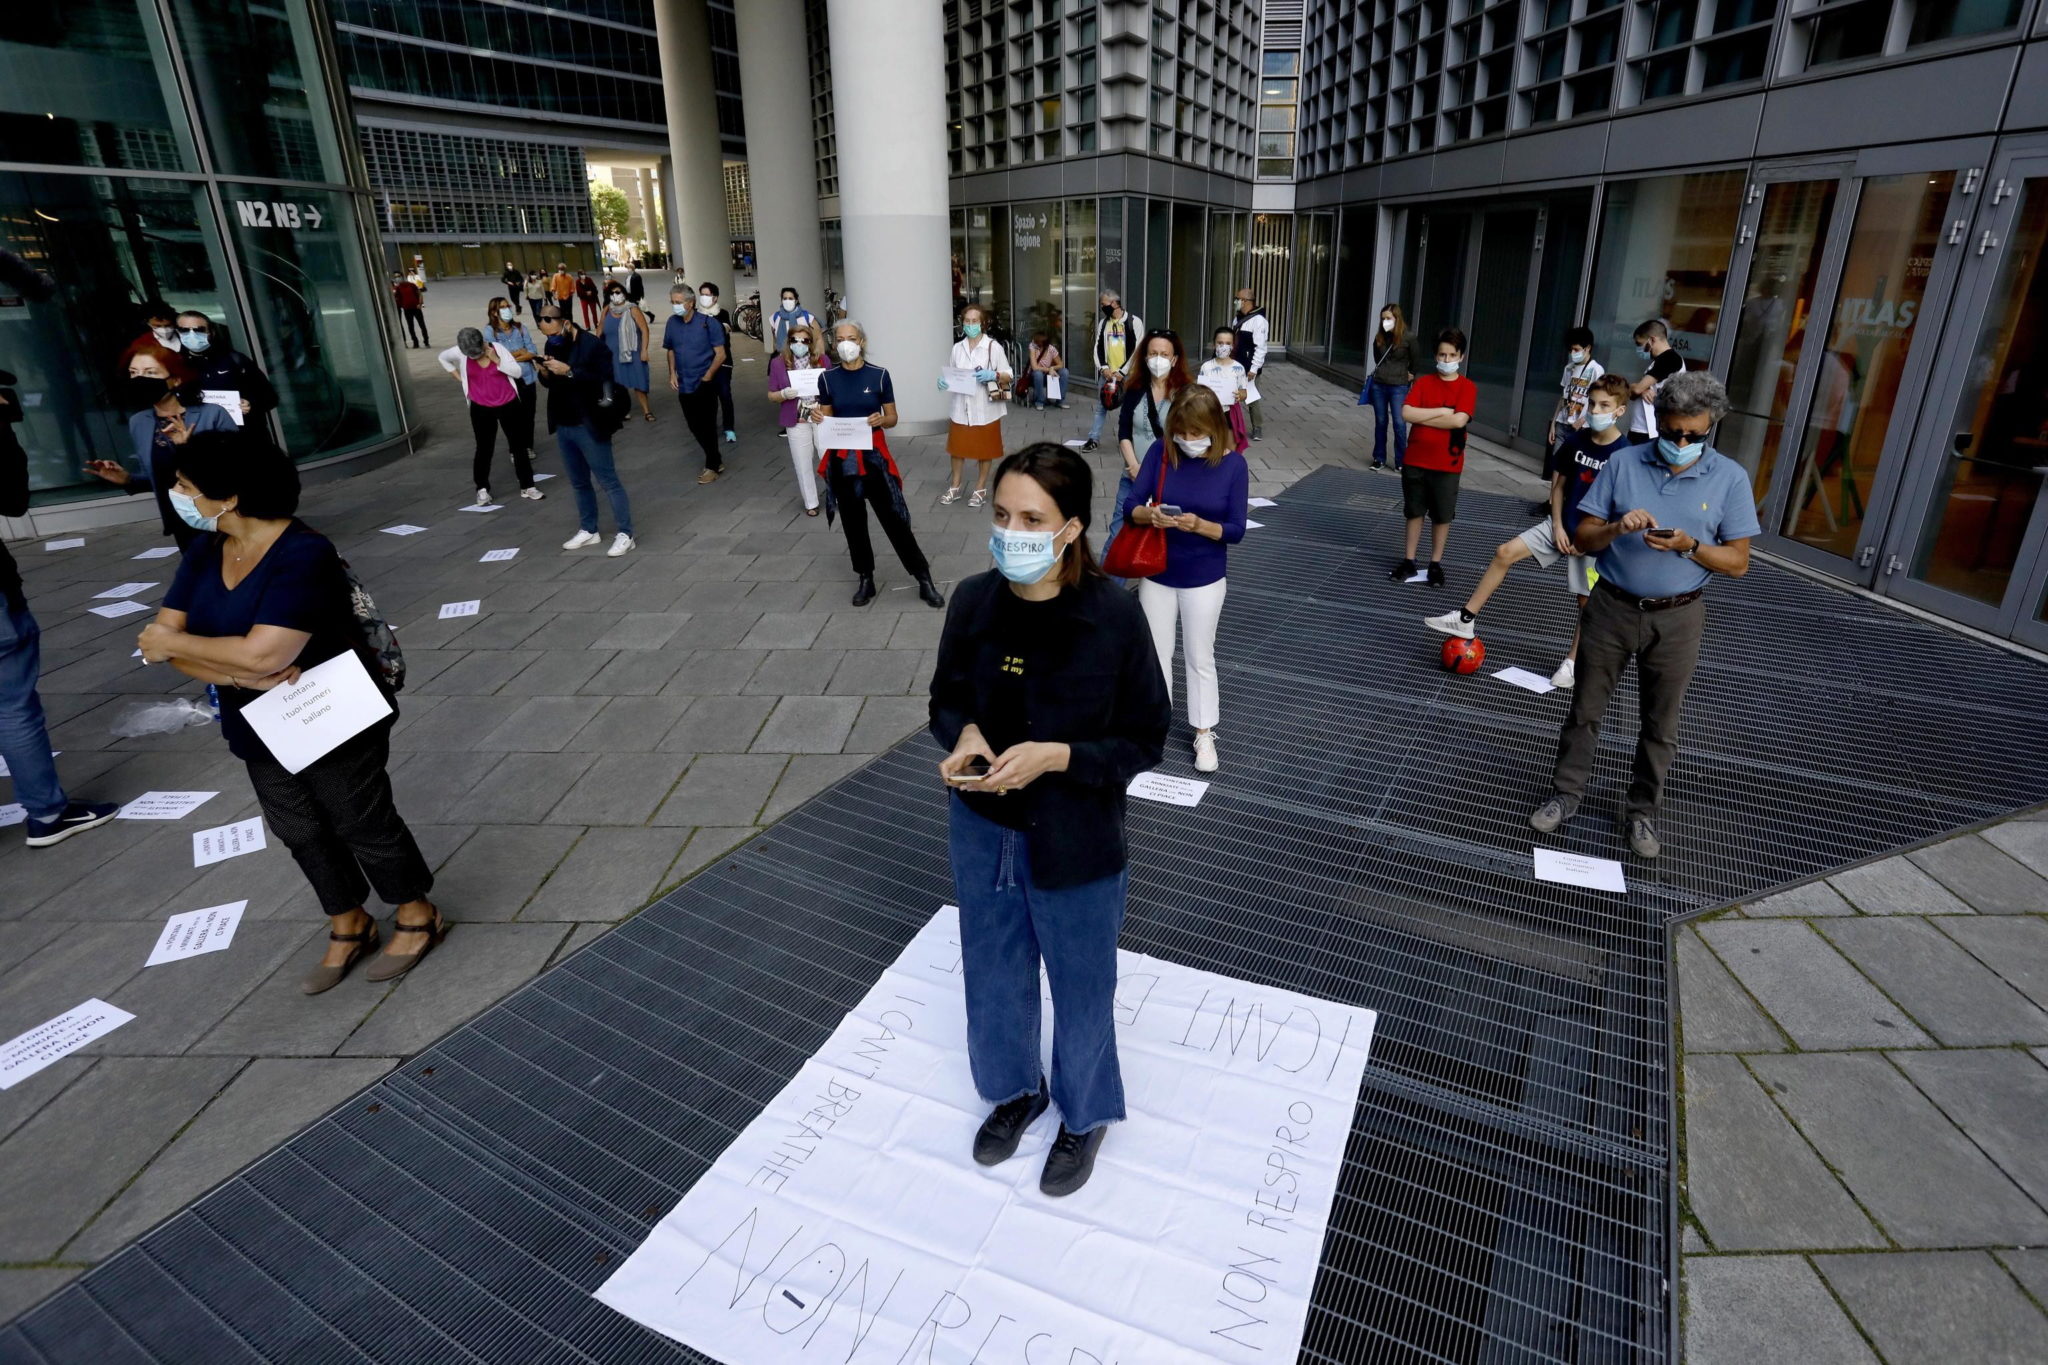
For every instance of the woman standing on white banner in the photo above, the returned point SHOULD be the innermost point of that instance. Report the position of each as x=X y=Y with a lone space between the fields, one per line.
x=801 y=351
x=1049 y=697
x=259 y=597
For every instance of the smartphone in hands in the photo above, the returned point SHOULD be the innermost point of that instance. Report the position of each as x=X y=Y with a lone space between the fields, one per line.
x=1165 y=509
x=976 y=769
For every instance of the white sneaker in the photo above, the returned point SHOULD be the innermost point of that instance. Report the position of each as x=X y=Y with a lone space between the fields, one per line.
x=483 y=497
x=1205 y=751
x=581 y=539
x=620 y=544
x=531 y=494
x=1450 y=623
x=1567 y=674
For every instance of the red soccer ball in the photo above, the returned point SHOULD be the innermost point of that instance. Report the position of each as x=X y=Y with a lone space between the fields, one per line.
x=1464 y=656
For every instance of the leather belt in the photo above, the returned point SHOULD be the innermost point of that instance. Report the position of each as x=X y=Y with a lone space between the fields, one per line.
x=1651 y=603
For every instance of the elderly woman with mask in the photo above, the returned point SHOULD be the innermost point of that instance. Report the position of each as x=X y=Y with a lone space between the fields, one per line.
x=162 y=397
x=627 y=333
x=489 y=375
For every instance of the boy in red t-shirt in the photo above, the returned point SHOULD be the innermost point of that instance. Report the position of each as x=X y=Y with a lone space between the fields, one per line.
x=1438 y=407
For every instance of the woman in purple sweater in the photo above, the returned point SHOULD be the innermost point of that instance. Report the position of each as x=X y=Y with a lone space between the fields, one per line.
x=1202 y=508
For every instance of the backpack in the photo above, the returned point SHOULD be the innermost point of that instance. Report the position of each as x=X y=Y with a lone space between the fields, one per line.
x=380 y=642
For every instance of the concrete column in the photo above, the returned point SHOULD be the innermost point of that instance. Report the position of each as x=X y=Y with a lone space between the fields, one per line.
x=889 y=103
x=775 y=84
x=697 y=231
x=665 y=186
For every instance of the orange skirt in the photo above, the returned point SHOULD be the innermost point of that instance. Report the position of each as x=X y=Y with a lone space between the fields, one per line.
x=975 y=443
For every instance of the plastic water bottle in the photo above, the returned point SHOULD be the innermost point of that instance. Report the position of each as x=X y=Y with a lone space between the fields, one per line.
x=213 y=702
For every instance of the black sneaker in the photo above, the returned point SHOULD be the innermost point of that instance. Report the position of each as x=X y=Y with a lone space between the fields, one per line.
x=78 y=816
x=1071 y=1161
x=1090 y=445
x=1436 y=575
x=1004 y=1128
x=1403 y=571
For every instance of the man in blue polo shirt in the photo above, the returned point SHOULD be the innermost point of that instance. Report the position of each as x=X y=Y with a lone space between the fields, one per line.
x=696 y=354
x=1663 y=517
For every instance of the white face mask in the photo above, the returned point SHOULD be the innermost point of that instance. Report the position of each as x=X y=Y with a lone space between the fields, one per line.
x=849 y=351
x=708 y=302
x=1159 y=365
x=167 y=335
x=506 y=315
x=788 y=303
x=1578 y=357
x=1192 y=445
x=1447 y=368
x=679 y=308
x=1386 y=324
x=1224 y=350
x=799 y=349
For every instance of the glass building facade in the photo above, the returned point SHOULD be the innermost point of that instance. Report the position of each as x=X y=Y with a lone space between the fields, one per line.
x=195 y=151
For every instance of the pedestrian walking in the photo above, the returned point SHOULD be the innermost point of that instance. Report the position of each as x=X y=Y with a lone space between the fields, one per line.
x=697 y=355
x=512 y=277
x=587 y=300
x=788 y=315
x=857 y=481
x=261 y=597
x=976 y=431
x=627 y=333
x=1386 y=388
x=562 y=289
x=1249 y=329
x=406 y=293
x=165 y=412
x=636 y=288
x=220 y=368
x=585 y=409
x=1141 y=419
x=159 y=330
x=536 y=293
x=489 y=375
x=802 y=351
x=709 y=306
x=502 y=326
x=1116 y=348
x=1223 y=376
x=1048 y=702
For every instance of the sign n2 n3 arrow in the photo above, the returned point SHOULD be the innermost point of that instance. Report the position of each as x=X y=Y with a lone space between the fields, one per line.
x=277 y=214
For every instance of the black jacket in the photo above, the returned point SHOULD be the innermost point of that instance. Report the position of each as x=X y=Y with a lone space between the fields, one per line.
x=223 y=367
x=1105 y=699
x=573 y=397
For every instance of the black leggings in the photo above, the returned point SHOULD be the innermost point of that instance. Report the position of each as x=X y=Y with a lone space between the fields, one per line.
x=853 y=517
x=517 y=422
x=338 y=819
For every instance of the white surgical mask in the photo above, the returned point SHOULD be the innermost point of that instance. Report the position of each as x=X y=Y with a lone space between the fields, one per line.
x=679 y=308
x=708 y=302
x=1578 y=357
x=1224 y=351
x=1159 y=365
x=1386 y=324
x=167 y=335
x=506 y=315
x=788 y=302
x=1447 y=368
x=1024 y=556
x=195 y=342
x=189 y=513
x=799 y=349
x=1600 y=421
x=1192 y=445
x=849 y=351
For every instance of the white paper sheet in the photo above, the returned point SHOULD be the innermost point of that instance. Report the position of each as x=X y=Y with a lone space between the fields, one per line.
x=845 y=433
x=1222 y=385
x=1264 y=502
x=1074 y=444
x=71 y=544
x=498 y=556
x=1251 y=525
x=114 y=611
x=227 y=841
x=1576 y=869
x=329 y=704
x=1174 y=791
x=403 y=529
x=13 y=813
x=849 y=1222
x=1419 y=576
x=125 y=590
x=483 y=507
x=469 y=608
x=1527 y=681
x=538 y=477
x=53 y=754
x=1053 y=392
x=195 y=932
x=23 y=1055
x=805 y=382
x=157 y=552
x=228 y=401
x=163 y=805
x=959 y=379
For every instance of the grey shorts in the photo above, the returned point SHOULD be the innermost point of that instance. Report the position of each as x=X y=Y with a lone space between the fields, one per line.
x=1579 y=572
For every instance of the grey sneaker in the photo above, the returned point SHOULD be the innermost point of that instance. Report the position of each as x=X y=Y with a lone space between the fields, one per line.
x=1642 y=837
x=1553 y=813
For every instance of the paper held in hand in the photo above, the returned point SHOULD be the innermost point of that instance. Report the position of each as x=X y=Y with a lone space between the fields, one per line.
x=845 y=433
x=959 y=380
x=1223 y=386
x=326 y=707
x=228 y=401
x=805 y=382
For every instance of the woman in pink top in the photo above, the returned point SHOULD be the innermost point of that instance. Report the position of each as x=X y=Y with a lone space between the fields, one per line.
x=804 y=350
x=488 y=375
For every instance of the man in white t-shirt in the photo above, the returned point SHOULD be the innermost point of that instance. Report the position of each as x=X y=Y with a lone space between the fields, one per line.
x=1653 y=343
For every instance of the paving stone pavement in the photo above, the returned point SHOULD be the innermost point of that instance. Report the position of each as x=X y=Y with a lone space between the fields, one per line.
x=1864 y=1174
x=599 y=731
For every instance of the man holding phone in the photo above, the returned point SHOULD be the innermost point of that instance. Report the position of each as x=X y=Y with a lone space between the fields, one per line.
x=1662 y=517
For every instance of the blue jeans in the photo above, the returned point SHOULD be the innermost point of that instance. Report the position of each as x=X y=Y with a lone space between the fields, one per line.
x=24 y=742
x=1095 y=427
x=1038 y=385
x=1006 y=925
x=1116 y=509
x=1385 y=401
x=583 y=455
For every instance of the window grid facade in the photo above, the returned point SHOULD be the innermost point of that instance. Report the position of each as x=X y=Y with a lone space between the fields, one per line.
x=824 y=135
x=448 y=185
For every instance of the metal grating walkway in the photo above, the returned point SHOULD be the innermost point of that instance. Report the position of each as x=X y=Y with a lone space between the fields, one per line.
x=1507 y=1191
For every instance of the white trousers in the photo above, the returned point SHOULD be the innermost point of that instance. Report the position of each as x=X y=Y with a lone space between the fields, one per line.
x=1197 y=610
x=803 y=453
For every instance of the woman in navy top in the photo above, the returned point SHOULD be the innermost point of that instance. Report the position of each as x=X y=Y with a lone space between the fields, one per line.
x=259 y=597
x=1208 y=483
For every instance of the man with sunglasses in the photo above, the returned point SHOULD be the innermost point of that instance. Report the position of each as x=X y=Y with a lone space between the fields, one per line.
x=1663 y=517
x=223 y=368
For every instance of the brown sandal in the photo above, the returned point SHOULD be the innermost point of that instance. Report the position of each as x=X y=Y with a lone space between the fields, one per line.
x=325 y=978
x=390 y=968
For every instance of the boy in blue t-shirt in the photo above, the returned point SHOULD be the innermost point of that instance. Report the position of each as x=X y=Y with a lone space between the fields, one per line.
x=1577 y=459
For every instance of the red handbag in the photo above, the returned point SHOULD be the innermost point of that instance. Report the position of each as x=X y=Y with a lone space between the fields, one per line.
x=1139 y=551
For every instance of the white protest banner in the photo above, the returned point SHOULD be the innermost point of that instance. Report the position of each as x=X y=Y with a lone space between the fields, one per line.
x=113 y=611
x=805 y=382
x=164 y=805
x=469 y=608
x=329 y=705
x=157 y=552
x=228 y=401
x=196 y=932
x=845 y=433
x=1174 y=791
x=1576 y=869
x=498 y=556
x=227 y=841
x=849 y=1222
x=23 y=1055
x=125 y=590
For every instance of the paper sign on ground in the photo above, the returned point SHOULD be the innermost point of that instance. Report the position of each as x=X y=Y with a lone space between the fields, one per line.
x=805 y=382
x=469 y=608
x=1174 y=791
x=196 y=932
x=538 y=477
x=13 y=813
x=228 y=401
x=849 y=1221
x=845 y=433
x=1419 y=576
x=1576 y=869
x=53 y=754
x=960 y=379
x=482 y=507
x=329 y=704
x=227 y=841
x=71 y=544
x=1527 y=681
x=164 y=805
x=403 y=529
x=1074 y=444
x=125 y=590
x=1264 y=502
x=157 y=552
x=497 y=556
x=23 y=1055
x=113 y=611
x=1251 y=525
